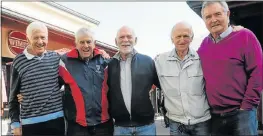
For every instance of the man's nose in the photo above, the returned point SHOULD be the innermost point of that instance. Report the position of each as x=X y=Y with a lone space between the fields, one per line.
x=213 y=19
x=39 y=41
x=125 y=39
x=86 y=44
x=183 y=40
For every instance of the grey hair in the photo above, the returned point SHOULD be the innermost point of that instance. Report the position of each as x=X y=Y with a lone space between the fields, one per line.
x=35 y=26
x=84 y=31
x=185 y=23
x=222 y=3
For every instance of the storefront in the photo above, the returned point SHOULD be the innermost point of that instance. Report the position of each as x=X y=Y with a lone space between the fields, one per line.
x=14 y=39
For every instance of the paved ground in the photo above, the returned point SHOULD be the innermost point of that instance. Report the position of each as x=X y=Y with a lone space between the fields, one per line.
x=4 y=127
x=159 y=126
x=161 y=130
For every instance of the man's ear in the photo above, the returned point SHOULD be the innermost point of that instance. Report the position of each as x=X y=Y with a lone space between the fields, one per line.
x=172 y=40
x=192 y=37
x=28 y=41
x=228 y=14
x=116 y=42
x=135 y=40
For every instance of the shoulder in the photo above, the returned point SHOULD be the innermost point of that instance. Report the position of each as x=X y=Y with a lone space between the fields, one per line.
x=162 y=56
x=53 y=53
x=245 y=32
x=247 y=38
x=204 y=42
x=143 y=56
x=18 y=58
x=206 y=39
x=64 y=57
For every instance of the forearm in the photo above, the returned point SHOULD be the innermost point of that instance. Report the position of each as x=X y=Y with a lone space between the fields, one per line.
x=14 y=107
x=253 y=67
x=254 y=88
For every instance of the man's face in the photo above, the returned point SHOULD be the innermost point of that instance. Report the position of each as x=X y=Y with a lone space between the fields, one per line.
x=125 y=40
x=216 y=19
x=85 y=46
x=182 y=37
x=38 y=41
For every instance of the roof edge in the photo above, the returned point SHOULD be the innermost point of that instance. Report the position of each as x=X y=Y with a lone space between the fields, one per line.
x=70 y=11
x=28 y=19
x=107 y=45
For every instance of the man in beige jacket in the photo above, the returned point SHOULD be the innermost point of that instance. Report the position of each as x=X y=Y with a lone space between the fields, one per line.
x=182 y=81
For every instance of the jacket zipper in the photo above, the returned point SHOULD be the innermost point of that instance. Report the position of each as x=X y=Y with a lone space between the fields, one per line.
x=131 y=85
x=181 y=93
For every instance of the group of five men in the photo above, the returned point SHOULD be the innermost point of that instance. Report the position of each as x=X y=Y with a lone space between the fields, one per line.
x=215 y=90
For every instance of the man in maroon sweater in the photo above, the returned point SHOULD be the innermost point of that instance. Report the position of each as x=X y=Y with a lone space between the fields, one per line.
x=232 y=67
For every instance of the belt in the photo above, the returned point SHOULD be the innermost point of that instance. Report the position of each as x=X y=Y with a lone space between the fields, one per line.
x=234 y=112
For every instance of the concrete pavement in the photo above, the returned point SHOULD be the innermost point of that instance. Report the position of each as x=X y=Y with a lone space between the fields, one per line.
x=159 y=127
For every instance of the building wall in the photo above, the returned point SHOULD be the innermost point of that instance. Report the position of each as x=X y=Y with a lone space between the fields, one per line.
x=55 y=41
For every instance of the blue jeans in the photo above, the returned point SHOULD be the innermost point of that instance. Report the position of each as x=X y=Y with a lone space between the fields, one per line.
x=202 y=128
x=142 y=130
x=103 y=129
x=238 y=122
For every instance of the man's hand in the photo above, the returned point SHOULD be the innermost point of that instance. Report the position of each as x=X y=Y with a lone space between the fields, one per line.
x=17 y=131
x=20 y=98
x=237 y=28
x=241 y=109
x=104 y=54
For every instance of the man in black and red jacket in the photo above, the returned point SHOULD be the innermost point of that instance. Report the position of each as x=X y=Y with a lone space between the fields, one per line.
x=84 y=72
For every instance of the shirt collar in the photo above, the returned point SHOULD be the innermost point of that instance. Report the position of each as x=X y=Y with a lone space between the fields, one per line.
x=189 y=53
x=192 y=54
x=222 y=35
x=74 y=53
x=31 y=56
x=118 y=55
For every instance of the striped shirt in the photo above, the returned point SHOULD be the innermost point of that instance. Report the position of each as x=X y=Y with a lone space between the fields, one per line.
x=39 y=86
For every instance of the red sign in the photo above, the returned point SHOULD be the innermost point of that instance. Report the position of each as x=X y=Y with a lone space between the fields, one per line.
x=62 y=50
x=17 y=42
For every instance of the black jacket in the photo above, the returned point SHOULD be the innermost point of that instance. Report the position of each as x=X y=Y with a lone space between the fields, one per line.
x=143 y=75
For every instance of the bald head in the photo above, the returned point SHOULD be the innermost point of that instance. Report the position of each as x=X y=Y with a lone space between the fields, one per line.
x=181 y=36
x=182 y=25
x=125 y=28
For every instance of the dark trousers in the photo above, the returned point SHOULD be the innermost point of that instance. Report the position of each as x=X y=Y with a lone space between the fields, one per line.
x=238 y=122
x=55 y=127
x=104 y=129
x=202 y=128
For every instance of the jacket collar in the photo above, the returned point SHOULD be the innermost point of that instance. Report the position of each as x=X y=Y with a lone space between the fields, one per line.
x=75 y=54
x=31 y=56
x=118 y=55
x=223 y=35
x=191 y=53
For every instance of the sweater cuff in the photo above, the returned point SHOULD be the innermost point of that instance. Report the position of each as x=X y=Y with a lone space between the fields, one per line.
x=15 y=125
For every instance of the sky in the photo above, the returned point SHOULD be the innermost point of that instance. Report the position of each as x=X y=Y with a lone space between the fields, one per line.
x=151 y=21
